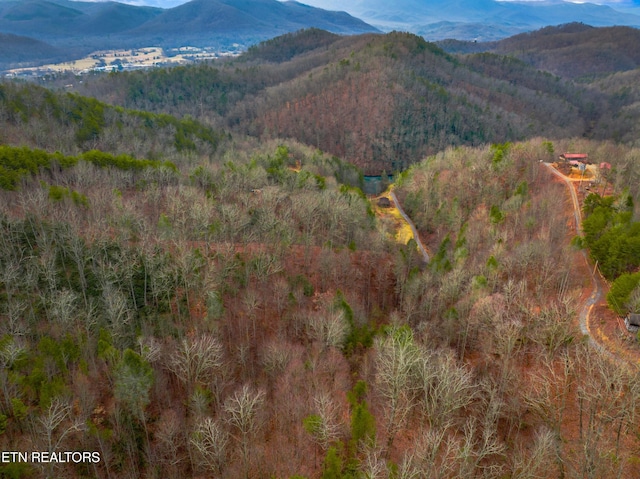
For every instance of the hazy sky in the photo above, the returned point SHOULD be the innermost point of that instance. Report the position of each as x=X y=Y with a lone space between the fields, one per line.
x=331 y=4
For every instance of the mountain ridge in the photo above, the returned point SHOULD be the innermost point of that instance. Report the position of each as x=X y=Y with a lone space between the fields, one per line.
x=571 y=51
x=90 y=26
x=483 y=20
x=375 y=100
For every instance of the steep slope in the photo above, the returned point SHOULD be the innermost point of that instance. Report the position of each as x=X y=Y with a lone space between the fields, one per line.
x=17 y=49
x=576 y=50
x=285 y=47
x=117 y=18
x=201 y=20
x=572 y=50
x=379 y=101
x=81 y=27
x=39 y=118
x=241 y=310
x=38 y=17
x=59 y=19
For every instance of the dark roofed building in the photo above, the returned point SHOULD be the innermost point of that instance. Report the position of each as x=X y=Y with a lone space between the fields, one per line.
x=579 y=157
x=384 y=202
x=632 y=322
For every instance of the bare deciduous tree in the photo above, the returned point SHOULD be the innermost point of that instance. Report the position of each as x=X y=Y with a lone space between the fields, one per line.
x=55 y=424
x=57 y=412
x=275 y=358
x=446 y=387
x=209 y=442
x=325 y=424
x=196 y=359
x=116 y=310
x=243 y=409
x=435 y=453
x=62 y=307
x=548 y=398
x=532 y=462
x=150 y=348
x=170 y=435
x=330 y=328
x=396 y=362
x=373 y=465
x=478 y=446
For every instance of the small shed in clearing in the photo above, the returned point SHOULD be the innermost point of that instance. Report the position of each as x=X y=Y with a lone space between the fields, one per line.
x=384 y=202
x=632 y=322
x=577 y=157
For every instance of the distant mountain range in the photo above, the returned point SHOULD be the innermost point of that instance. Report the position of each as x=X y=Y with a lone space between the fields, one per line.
x=18 y=49
x=69 y=27
x=481 y=20
x=37 y=31
x=573 y=50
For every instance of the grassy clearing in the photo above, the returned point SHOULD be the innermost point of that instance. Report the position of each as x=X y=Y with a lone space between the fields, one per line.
x=401 y=229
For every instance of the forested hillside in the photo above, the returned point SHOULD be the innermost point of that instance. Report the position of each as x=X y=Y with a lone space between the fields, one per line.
x=70 y=123
x=572 y=50
x=417 y=98
x=603 y=60
x=576 y=50
x=19 y=50
x=248 y=317
x=186 y=293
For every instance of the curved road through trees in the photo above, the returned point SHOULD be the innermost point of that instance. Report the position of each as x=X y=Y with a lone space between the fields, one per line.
x=597 y=292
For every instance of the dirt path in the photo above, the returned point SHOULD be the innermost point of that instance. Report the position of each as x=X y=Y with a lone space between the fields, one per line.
x=416 y=236
x=597 y=338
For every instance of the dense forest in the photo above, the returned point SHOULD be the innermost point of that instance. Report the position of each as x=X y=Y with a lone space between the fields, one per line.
x=192 y=283
x=418 y=99
x=573 y=50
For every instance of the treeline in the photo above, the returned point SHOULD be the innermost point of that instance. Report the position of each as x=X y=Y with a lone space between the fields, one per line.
x=17 y=162
x=72 y=123
x=285 y=47
x=206 y=91
x=571 y=51
x=611 y=235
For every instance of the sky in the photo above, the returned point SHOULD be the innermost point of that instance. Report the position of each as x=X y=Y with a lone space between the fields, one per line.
x=331 y=4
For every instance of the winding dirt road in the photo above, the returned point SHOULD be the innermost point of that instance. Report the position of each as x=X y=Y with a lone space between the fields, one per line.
x=586 y=307
x=416 y=236
x=597 y=292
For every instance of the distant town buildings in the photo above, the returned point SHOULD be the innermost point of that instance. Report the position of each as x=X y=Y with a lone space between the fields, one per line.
x=125 y=60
